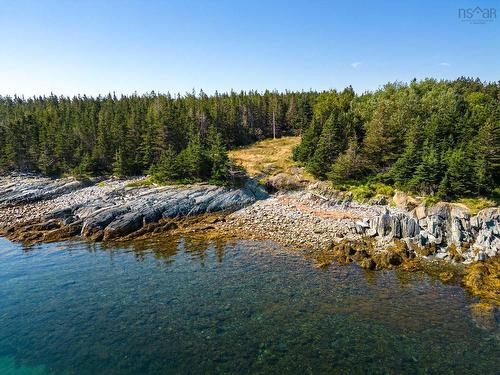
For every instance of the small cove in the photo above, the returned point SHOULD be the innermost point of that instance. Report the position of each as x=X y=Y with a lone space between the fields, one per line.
x=184 y=305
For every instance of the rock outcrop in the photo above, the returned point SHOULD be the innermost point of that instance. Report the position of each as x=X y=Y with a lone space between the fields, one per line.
x=117 y=213
x=443 y=226
x=12 y=192
x=40 y=209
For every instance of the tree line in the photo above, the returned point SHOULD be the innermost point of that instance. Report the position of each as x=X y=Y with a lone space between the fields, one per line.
x=177 y=138
x=427 y=137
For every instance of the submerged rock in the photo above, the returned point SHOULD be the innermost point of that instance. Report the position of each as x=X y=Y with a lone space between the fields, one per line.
x=482 y=279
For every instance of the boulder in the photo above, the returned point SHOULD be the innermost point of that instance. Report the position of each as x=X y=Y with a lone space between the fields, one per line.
x=284 y=181
x=378 y=200
x=202 y=202
x=396 y=226
x=383 y=224
x=420 y=212
x=97 y=222
x=409 y=227
x=123 y=225
x=231 y=200
x=404 y=201
x=152 y=214
x=178 y=208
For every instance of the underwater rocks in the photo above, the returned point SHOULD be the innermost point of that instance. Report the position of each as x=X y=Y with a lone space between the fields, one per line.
x=482 y=279
x=109 y=210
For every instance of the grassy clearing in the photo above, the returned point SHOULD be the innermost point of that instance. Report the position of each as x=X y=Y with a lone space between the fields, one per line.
x=273 y=156
x=269 y=157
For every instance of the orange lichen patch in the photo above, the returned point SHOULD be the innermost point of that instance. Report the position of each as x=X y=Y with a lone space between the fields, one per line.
x=338 y=215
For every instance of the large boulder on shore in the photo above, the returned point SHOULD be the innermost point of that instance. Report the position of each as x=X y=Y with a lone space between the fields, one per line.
x=123 y=225
x=488 y=235
x=101 y=219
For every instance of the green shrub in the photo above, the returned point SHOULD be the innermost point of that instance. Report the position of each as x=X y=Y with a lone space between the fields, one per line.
x=362 y=192
x=141 y=183
x=383 y=189
x=430 y=200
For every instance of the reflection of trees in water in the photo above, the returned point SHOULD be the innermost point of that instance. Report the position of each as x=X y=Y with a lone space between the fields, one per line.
x=164 y=248
x=199 y=247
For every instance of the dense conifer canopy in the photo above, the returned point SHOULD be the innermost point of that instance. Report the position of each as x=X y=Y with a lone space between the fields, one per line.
x=429 y=137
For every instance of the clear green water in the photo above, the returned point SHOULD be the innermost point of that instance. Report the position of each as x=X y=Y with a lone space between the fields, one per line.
x=189 y=307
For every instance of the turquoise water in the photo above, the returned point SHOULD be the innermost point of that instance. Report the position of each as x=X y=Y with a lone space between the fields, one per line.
x=185 y=306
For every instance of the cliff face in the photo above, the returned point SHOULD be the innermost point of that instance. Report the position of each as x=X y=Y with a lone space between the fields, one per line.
x=445 y=230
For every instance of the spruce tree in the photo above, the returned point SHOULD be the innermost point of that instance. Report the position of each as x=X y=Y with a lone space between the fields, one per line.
x=217 y=156
x=426 y=177
x=119 y=165
x=167 y=168
x=192 y=160
x=331 y=143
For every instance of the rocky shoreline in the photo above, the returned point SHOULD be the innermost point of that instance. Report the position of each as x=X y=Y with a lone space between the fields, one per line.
x=35 y=209
x=309 y=218
x=330 y=225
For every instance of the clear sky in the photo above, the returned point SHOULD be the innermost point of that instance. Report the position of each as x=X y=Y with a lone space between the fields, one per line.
x=97 y=47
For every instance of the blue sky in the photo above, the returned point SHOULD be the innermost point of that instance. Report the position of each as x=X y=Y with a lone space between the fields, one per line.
x=96 y=47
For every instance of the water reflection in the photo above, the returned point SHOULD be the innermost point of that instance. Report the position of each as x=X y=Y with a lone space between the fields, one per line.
x=189 y=305
x=166 y=247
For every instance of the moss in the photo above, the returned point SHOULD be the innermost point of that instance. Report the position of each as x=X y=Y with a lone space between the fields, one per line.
x=140 y=183
x=383 y=189
x=362 y=192
x=430 y=200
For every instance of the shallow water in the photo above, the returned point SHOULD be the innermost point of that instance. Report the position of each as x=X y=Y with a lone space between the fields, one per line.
x=185 y=306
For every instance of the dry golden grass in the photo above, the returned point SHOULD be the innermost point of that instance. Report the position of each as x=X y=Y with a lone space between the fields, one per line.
x=268 y=157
